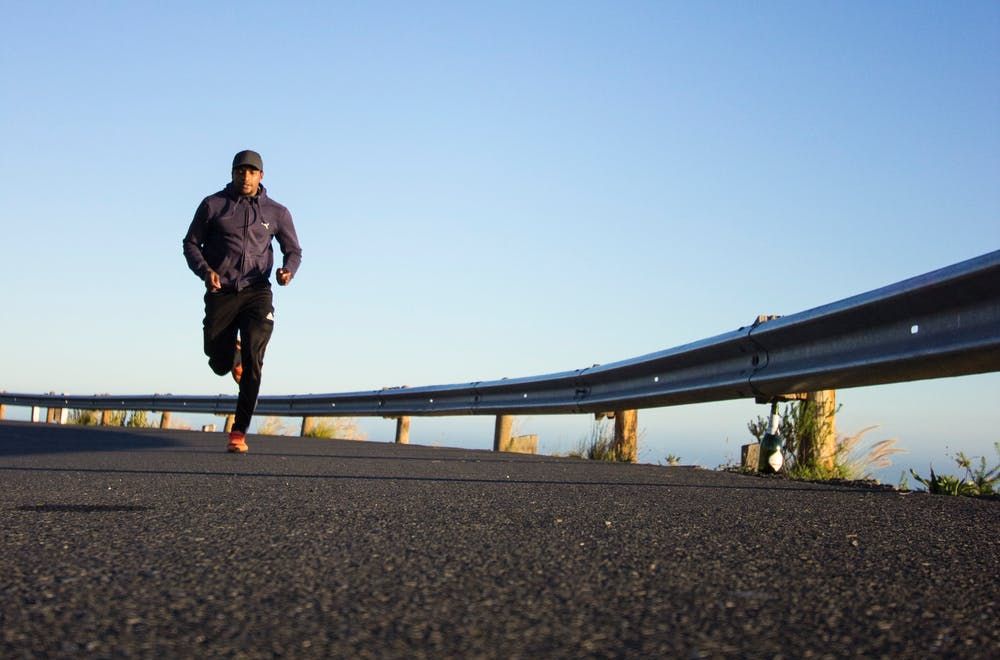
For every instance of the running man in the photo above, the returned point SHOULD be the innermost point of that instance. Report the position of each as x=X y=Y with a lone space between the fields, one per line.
x=228 y=246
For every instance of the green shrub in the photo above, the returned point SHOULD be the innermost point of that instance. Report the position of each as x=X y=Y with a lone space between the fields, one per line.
x=138 y=419
x=978 y=481
x=84 y=417
x=800 y=421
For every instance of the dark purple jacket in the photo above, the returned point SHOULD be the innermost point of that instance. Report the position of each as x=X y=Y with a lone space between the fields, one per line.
x=231 y=235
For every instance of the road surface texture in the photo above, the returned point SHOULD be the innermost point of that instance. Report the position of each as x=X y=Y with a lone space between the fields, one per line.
x=148 y=543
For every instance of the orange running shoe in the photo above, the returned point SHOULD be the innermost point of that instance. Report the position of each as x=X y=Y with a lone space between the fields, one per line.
x=237 y=442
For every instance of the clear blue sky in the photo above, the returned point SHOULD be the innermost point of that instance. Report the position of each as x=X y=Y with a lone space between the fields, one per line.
x=497 y=189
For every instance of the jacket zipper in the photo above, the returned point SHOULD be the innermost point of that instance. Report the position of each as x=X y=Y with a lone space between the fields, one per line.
x=243 y=256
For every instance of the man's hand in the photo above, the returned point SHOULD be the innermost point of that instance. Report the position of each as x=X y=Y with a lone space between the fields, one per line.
x=212 y=282
x=284 y=276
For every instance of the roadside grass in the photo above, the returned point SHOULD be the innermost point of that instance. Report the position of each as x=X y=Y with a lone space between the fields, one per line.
x=137 y=419
x=979 y=481
x=84 y=417
x=850 y=461
x=336 y=428
x=273 y=426
x=600 y=444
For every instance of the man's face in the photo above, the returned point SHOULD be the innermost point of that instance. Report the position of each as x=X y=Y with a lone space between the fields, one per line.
x=246 y=180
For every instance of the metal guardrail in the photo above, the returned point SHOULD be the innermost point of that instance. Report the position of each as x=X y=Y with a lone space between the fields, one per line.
x=943 y=323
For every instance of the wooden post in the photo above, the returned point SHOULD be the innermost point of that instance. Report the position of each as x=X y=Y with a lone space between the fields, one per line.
x=230 y=420
x=817 y=446
x=501 y=432
x=164 y=420
x=35 y=413
x=308 y=424
x=3 y=411
x=626 y=444
x=825 y=407
x=50 y=415
x=402 y=430
x=750 y=456
x=105 y=417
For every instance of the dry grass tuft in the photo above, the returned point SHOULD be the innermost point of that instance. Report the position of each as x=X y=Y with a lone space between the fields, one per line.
x=860 y=464
x=273 y=426
x=339 y=428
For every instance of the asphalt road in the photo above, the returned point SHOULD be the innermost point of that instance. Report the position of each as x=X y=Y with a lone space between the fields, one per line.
x=148 y=543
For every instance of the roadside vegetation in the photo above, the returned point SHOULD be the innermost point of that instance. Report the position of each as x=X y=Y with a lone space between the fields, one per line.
x=339 y=428
x=84 y=417
x=801 y=423
x=336 y=428
x=978 y=481
x=600 y=444
x=273 y=426
x=137 y=419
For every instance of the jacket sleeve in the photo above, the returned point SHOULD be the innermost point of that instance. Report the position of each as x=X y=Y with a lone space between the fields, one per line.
x=194 y=241
x=288 y=240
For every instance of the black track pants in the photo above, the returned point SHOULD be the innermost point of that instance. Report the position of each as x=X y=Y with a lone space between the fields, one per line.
x=251 y=313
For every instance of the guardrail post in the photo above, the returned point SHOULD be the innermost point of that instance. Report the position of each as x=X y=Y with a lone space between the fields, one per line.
x=105 y=418
x=501 y=432
x=50 y=415
x=626 y=444
x=36 y=413
x=402 y=430
x=164 y=420
x=308 y=424
x=230 y=420
x=3 y=411
x=823 y=443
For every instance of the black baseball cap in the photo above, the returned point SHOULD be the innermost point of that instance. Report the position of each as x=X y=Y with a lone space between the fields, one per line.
x=248 y=158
